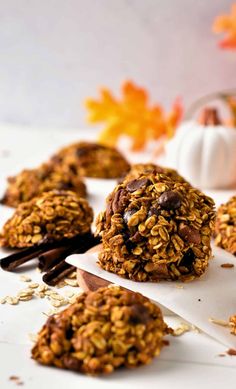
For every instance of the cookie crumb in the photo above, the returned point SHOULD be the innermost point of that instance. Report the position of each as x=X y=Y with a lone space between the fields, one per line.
x=231 y=351
x=227 y=265
x=183 y=327
x=219 y=322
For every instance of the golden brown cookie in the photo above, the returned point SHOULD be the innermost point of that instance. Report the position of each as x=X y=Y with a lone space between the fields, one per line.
x=101 y=331
x=225 y=227
x=155 y=228
x=33 y=182
x=53 y=216
x=91 y=160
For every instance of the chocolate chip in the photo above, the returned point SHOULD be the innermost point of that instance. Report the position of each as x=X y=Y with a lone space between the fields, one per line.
x=137 y=237
x=119 y=201
x=127 y=215
x=170 y=200
x=71 y=363
x=83 y=150
x=133 y=185
x=139 y=314
x=154 y=210
x=65 y=186
x=109 y=209
x=188 y=259
x=130 y=245
x=189 y=234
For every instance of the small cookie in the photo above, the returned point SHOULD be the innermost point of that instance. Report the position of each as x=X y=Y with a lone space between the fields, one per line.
x=53 y=216
x=155 y=228
x=91 y=160
x=33 y=182
x=102 y=331
x=225 y=226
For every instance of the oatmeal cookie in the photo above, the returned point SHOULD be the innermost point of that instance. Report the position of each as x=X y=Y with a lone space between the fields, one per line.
x=91 y=160
x=155 y=228
x=145 y=168
x=53 y=216
x=225 y=227
x=33 y=182
x=101 y=331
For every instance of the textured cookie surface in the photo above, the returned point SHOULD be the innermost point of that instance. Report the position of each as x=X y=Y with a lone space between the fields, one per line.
x=33 y=182
x=225 y=227
x=53 y=216
x=156 y=228
x=102 y=331
x=92 y=160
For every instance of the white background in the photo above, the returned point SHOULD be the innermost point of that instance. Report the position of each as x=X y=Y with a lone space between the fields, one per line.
x=54 y=53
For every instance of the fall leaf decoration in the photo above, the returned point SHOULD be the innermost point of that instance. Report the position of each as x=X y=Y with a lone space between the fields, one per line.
x=132 y=115
x=227 y=24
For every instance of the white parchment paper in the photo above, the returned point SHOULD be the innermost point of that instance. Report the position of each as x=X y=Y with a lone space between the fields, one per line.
x=211 y=296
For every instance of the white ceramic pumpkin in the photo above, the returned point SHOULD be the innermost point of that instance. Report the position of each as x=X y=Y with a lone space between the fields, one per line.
x=204 y=154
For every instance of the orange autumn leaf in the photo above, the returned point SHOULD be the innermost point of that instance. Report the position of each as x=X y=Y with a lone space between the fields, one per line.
x=227 y=24
x=131 y=115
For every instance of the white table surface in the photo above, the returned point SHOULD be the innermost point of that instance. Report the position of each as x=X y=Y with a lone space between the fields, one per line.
x=191 y=360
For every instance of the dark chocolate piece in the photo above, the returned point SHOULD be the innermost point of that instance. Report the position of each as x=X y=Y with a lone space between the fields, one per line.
x=170 y=200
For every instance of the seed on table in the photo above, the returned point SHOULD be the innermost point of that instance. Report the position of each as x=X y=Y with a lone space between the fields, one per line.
x=12 y=300
x=71 y=282
x=33 y=285
x=42 y=288
x=40 y=295
x=55 y=303
x=25 y=298
x=26 y=291
x=69 y=293
x=25 y=278
x=56 y=296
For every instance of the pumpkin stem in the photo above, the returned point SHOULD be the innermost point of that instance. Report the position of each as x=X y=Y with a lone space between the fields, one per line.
x=209 y=117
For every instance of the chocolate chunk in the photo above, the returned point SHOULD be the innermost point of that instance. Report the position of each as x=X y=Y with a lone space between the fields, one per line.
x=84 y=150
x=127 y=215
x=71 y=363
x=154 y=210
x=189 y=234
x=133 y=185
x=118 y=203
x=128 y=243
x=109 y=209
x=170 y=200
x=139 y=314
x=136 y=237
x=188 y=259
